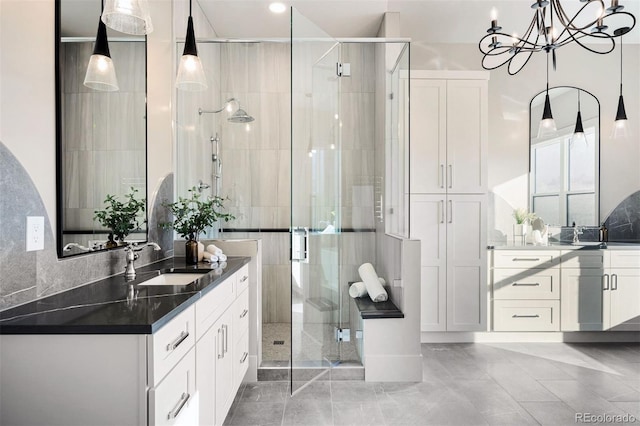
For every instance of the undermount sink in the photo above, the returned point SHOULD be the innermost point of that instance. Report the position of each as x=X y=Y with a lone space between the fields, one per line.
x=173 y=278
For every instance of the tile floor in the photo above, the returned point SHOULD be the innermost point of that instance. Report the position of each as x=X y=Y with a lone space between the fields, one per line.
x=466 y=384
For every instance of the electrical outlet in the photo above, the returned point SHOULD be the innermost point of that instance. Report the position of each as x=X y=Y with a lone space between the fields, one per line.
x=35 y=233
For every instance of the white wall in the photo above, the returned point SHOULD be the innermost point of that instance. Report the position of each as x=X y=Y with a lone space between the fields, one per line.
x=27 y=91
x=509 y=98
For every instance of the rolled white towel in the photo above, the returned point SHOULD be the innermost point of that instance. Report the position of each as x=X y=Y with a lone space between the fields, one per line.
x=214 y=250
x=200 y=251
x=222 y=265
x=359 y=289
x=222 y=257
x=208 y=257
x=377 y=293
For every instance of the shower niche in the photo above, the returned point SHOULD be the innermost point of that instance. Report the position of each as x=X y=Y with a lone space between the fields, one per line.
x=308 y=172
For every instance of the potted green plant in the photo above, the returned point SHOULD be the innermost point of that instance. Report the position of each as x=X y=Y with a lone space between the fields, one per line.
x=523 y=217
x=192 y=216
x=120 y=218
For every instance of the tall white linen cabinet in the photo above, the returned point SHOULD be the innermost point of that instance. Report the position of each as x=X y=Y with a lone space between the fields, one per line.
x=448 y=196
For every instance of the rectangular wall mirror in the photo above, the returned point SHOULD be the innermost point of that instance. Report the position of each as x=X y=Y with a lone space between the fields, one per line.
x=101 y=135
x=564 y=178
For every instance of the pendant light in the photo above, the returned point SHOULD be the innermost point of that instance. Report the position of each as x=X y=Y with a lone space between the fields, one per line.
x=190 y=73
x=620 y=125
x=547 y=124
x=101 y=74
x=578 y=132
x=128 y=16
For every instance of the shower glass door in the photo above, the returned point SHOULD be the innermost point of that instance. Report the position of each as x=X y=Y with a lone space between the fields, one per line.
x=315 y=200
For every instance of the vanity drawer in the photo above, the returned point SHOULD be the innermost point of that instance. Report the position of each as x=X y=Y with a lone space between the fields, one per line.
x=526 y=283
x=625 y=258
x=582 y=259
x=175 y=401
x=242 y=277
x=241 y=315
x=525 y=258
x=169 y=344
x=526 y=315
x=213 y=304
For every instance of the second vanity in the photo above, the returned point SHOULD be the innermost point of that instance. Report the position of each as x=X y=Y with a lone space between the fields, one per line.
x=565 y=288
x=129 y=354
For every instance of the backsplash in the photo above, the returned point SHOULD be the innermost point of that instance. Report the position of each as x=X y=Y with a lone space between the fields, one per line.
x=624 y=221
x=27 y=276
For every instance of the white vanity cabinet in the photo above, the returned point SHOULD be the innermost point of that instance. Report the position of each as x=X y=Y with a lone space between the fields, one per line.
x=448 y=197
x=567 y=290
x=220 y=332
x=184 y=373
x=526 y=290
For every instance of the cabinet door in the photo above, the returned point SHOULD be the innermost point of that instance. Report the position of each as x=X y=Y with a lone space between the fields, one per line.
x=428 y=136
x=624 y=299
x=582 y=299
x=224 y=365
x=427 y=224
x=206 y=358
x=466 y=263
x=466 y=167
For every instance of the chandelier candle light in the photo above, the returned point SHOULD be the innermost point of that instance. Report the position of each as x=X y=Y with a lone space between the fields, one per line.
x=551 y=28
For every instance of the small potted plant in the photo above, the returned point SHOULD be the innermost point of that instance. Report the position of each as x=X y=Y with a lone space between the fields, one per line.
x=120 y=218
x=523 y=218
x=192 y=216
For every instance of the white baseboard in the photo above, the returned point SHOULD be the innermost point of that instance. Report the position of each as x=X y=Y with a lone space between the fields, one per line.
x=506 y=337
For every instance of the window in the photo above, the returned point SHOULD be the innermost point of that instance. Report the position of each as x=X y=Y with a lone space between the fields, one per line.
x=564 y=180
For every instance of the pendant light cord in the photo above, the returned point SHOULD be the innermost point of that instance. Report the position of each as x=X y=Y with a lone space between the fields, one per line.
x=620 y=65
x=190 y=7
x=547 y=73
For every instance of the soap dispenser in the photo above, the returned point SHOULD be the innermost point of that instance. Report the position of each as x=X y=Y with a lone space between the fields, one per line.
x=604 y=234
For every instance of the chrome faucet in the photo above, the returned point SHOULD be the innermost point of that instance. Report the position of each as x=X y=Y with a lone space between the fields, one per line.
x=132 y=255
x=577 y=230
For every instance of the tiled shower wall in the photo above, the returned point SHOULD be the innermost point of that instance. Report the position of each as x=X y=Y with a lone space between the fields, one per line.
x=100 y=158
x=256 y=162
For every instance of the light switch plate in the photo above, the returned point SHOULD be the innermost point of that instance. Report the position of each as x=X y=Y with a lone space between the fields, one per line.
x=35 y=233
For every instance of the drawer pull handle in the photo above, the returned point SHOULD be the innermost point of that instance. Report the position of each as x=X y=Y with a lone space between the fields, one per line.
x=525 y=316
x=614 y=281
x=244 y=357
x=244 y=313
x=526 y=259
x=525 y=284
x=176 y=411
x=605 y=282
x=219 y=343
x=181 y=338
x=244 y=278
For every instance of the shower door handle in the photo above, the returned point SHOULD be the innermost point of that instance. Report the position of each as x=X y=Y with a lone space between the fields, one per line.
x=299 y=244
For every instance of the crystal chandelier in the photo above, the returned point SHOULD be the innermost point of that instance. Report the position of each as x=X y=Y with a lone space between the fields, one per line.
x=592 y=27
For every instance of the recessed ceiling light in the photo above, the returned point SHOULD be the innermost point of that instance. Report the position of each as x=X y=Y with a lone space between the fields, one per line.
x=277 y=7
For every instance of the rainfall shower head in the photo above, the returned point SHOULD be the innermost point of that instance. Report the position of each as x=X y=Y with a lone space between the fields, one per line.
x=240 y=116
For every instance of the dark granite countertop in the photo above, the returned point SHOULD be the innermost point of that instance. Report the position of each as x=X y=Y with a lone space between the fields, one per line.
x=571 y=246
x=115 y=306
x=375 y=310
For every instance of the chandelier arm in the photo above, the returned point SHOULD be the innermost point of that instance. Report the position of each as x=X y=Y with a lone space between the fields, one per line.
x=521 y=67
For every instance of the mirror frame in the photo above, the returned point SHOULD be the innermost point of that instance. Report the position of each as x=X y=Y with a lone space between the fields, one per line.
x=599 y=134
x=59 y=143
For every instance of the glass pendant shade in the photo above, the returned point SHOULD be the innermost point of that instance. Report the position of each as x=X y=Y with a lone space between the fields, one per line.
x=101 y=74
x=620 y=125
x=547 y=124
x=578 y=133
x=128 y=16
x=190 y=72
